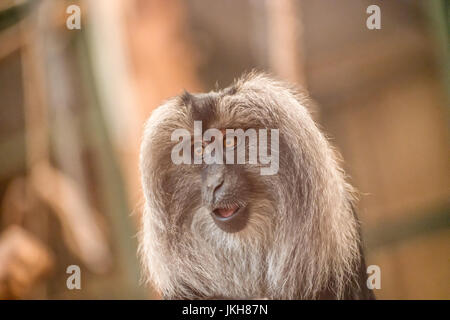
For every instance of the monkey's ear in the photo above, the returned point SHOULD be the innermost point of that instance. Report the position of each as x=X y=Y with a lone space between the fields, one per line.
x=187 y=98
x=230 y=90
x=200 y=106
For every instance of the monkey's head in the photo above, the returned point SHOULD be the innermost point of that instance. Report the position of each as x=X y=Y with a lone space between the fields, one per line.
x=276 y=221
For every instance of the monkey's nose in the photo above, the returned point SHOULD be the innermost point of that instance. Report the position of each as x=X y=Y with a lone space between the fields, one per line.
x=214 y=184
x=213 y=180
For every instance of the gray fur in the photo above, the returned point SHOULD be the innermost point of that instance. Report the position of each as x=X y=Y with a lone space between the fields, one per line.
x=302 y=238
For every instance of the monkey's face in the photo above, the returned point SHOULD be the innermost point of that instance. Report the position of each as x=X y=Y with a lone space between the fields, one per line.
x=214 y=197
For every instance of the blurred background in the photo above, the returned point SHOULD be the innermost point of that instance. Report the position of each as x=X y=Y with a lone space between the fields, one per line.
x=73 y=103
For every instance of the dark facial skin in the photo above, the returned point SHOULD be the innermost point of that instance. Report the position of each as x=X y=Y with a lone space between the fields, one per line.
x=224 y=191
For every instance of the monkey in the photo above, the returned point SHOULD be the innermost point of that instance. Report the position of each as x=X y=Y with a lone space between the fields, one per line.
x=226 y=230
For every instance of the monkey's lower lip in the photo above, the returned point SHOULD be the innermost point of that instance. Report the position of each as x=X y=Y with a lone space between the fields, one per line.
x=226 y=212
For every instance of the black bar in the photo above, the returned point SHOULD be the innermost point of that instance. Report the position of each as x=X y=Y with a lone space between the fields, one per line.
x=221 y=309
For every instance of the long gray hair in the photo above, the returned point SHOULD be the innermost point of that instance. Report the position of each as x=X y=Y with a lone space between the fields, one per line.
x=302 y=239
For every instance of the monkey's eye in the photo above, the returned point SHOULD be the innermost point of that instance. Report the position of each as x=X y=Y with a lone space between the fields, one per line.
x=229 y=142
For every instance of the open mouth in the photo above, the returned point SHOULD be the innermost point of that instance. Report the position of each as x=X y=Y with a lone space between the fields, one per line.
x=226 y=213
x=230 y=218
